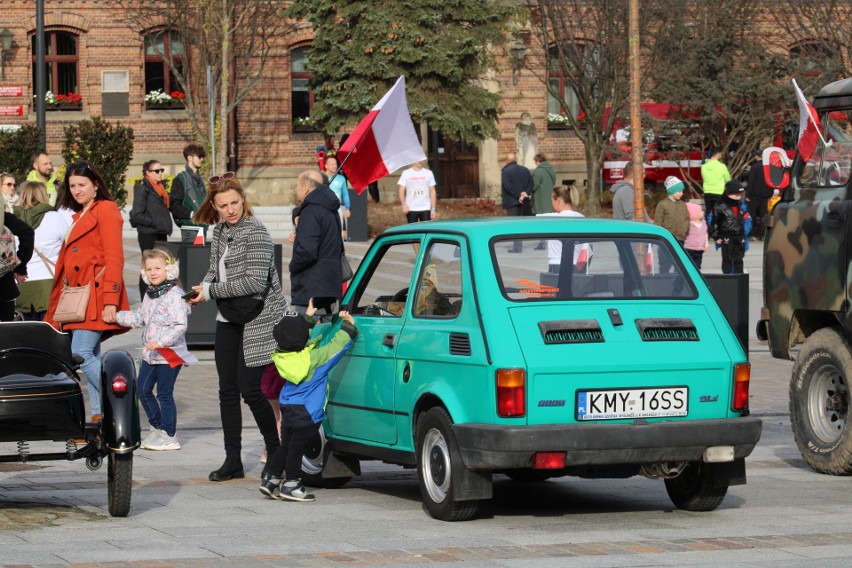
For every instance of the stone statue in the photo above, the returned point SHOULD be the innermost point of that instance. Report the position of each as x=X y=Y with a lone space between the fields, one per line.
x=526 y=139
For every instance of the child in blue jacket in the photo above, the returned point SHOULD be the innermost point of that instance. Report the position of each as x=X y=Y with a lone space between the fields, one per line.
x=305 y=366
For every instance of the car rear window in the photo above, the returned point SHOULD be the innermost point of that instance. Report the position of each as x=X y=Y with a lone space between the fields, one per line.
x=587 y=268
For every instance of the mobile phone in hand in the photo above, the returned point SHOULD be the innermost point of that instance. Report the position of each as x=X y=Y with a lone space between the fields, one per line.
x=190 y=295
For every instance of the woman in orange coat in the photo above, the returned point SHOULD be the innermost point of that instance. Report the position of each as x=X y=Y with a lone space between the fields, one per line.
x=92 y=253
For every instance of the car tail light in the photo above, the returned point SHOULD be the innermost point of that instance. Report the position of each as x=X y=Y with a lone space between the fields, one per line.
x=742 y=376
x=548 y=460
x=511 y=399
x=119 y=385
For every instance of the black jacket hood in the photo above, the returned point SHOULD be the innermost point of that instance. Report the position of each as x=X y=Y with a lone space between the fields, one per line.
x=324 y=197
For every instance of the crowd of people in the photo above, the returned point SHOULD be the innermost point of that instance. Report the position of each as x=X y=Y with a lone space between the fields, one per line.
x=68 y=236
x=74 y=242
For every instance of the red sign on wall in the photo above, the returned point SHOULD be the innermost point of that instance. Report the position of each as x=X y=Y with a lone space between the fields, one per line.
x=11 y=110
x=11 y=91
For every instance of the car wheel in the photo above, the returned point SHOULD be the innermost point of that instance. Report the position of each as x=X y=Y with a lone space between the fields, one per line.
x=696 y=489
x=312 y=465
x=437 y=455
x=819 y=402
x=119 y=483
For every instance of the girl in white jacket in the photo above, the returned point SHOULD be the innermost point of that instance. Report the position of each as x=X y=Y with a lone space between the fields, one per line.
x=163 y=313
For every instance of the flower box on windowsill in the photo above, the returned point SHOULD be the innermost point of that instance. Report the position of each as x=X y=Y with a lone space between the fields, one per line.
x=69 y=106
x=173 y=105
x=305 y=128
x=558 y=126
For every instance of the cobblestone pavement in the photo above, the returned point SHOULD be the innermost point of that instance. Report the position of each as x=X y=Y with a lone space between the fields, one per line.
x=54 y=513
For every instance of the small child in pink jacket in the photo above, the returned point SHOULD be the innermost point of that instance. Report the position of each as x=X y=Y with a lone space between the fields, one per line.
x=163 y=314
x=696 y=235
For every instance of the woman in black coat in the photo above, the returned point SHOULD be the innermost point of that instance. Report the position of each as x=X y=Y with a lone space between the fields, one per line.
x=150 y=214
x=9 y=281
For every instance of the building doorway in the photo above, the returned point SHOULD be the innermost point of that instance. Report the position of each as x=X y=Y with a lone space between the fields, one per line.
x=457 y=174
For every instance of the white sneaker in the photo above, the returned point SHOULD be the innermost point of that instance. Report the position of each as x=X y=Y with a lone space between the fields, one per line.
x=164 y=443
x=153 y=435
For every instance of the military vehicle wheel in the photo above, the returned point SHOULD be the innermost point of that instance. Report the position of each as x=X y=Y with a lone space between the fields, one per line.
x=437 y=455
x=119 y=483
x=696 y=488
x=819 y=402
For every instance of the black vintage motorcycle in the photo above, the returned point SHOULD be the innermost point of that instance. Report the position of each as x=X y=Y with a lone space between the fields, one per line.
x=41 y=400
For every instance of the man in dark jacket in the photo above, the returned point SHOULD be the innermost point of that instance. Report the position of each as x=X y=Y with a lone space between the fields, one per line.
x=188 y=191
x=757 y=195
x=517 y=188
x=315 y=266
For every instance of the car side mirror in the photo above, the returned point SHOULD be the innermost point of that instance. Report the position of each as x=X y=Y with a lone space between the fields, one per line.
x=776 y=167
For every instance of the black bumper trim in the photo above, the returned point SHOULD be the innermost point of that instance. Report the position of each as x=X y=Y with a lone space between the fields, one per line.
x=490 y=447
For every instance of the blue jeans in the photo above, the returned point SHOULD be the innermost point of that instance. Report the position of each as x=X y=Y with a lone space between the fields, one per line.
x=160 y=410
x=87 y=344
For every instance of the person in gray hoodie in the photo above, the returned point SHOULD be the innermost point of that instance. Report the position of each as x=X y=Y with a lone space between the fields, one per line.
x=622 y=197
x=544 y=180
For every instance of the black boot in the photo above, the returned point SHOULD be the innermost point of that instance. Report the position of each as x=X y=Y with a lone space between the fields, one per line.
x=231 y=469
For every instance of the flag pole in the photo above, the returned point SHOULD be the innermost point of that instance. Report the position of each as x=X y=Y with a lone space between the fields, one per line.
x=340 y=167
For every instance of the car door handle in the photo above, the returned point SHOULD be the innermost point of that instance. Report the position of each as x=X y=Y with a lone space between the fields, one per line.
x=389 y=340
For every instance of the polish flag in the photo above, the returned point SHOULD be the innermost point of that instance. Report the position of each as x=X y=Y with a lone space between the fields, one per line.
x=199 y=238
x=809 y=135
x=176 y=357
x=383 y=141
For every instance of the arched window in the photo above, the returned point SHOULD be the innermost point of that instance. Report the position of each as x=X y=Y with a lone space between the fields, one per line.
x=812 y=57
x=164 y=56
x=302 y=97
x=61 y=56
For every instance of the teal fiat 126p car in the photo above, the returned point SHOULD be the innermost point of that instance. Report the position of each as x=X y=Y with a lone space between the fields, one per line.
x=597 y=352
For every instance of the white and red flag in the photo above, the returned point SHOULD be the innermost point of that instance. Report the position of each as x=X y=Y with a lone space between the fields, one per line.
x=383 y=141
x=176 y=356
x=809 y=135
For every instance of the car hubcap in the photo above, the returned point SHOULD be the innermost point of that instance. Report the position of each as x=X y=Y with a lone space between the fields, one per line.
x=436 y=465
x=313 y=458
x=828 y=403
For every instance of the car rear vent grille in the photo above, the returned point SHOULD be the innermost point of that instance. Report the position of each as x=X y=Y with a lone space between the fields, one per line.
x=459 y=344
x=667 y=329
x=571 y=331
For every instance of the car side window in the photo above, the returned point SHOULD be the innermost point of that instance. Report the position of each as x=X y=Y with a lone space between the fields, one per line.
x=830 y=166
x=439 y=286
x=385 y=291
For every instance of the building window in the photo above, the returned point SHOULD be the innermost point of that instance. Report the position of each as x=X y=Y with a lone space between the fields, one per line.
x=301 y=95
x=61 y=56
x=812 y=57
x=164 y=56
x=561 y=98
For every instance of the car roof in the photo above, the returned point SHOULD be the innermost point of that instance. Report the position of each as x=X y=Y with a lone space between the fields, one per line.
x=487 y=227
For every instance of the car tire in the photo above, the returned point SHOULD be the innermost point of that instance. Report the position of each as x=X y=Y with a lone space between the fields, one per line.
x=313 y=464
x=696 y=489
x=820 y=400
x=119 y=483
x=437 y=455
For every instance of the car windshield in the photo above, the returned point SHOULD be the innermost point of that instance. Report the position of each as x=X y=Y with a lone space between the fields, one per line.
x=571 y=267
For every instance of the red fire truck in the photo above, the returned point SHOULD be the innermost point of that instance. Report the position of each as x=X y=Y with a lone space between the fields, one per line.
x=670 y=149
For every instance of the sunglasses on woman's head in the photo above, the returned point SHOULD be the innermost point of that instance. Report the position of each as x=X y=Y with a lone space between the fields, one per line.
x=216 y=179
x=157 y=171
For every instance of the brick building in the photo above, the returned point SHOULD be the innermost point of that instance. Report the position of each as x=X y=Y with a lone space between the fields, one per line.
x=91 y=51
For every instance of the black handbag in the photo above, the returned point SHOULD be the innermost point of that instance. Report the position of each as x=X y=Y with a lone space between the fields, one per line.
x=346 y=271
x=242 y=309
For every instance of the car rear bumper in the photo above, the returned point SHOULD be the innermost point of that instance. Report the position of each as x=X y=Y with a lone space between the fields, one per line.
x=491 y=447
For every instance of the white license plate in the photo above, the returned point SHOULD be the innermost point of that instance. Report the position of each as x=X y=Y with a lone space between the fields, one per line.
x=616 y=404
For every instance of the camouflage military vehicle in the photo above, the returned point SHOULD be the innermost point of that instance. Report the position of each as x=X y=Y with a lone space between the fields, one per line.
x=807 y=290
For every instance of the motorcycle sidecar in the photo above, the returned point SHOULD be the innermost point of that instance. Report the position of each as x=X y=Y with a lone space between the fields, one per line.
x=41 y=400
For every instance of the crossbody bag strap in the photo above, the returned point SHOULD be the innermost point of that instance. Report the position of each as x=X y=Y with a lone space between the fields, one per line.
x=47 y=262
